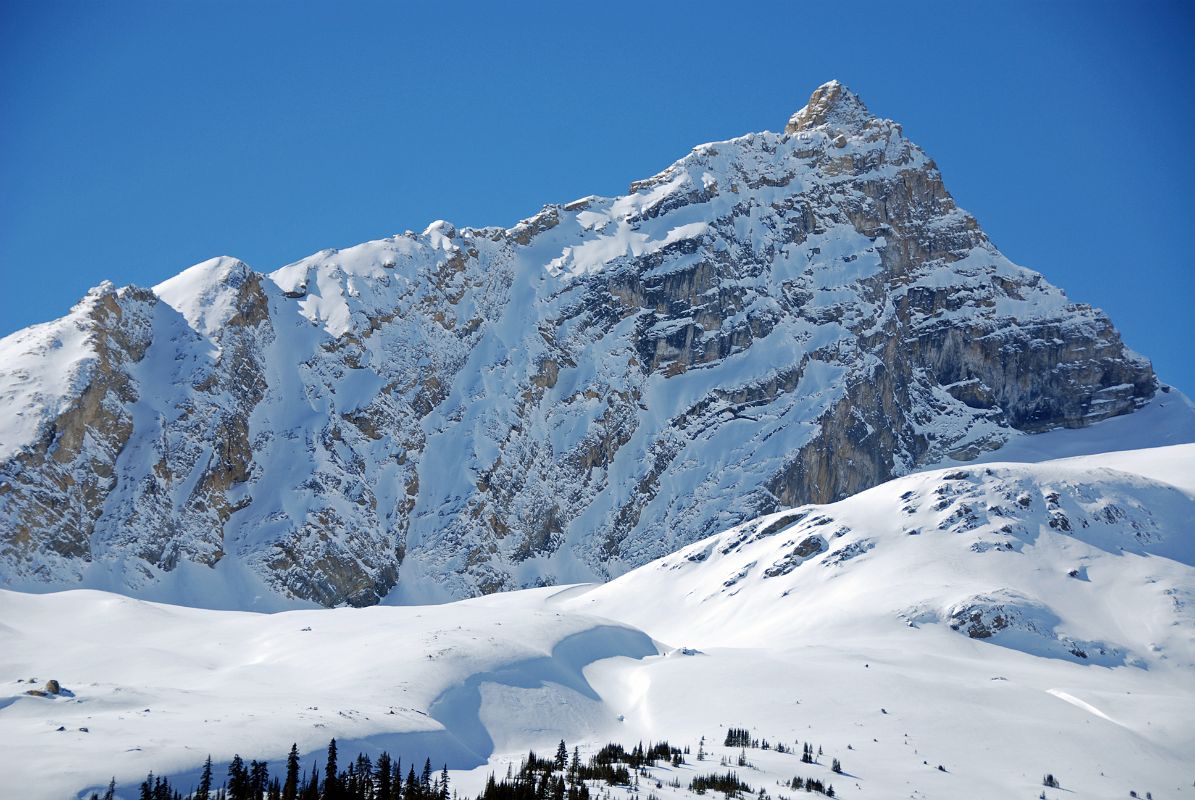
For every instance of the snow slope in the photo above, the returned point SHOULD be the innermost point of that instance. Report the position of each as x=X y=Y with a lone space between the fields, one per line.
x=919 y=548
x=931 y=620
x=154 y=685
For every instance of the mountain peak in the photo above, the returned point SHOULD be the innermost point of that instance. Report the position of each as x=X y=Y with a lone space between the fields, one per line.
x=206 y=293
x=768 y=322
x=831 y=103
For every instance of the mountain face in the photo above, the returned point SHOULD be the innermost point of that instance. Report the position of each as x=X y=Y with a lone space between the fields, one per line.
x=773 y=320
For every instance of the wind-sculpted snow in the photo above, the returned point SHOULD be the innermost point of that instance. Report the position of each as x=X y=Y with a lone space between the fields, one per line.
x=777 y=319
x=458 y=708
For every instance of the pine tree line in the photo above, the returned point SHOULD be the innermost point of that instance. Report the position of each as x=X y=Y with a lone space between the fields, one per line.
x=538 y=778
x=812 y=785
x=738 y=737
x=728 y=784
x=741 y=737
x=360 y=779
x=639 y=756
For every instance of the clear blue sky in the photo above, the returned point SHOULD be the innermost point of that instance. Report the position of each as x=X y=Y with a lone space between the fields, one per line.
x=139 y=138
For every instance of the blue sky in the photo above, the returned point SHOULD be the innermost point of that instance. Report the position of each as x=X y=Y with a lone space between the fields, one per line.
x=139 y=138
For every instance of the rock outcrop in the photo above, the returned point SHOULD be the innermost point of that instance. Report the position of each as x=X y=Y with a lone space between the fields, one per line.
x=772 y=320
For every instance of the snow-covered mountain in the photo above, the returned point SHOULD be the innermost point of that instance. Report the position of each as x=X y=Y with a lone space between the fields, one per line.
x=773 y=320
x=1004 y=621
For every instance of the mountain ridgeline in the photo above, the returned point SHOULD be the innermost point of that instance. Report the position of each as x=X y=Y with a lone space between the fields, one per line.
x=773 y=320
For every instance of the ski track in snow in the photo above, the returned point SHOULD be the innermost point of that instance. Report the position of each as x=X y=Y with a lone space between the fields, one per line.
x=1077 y=703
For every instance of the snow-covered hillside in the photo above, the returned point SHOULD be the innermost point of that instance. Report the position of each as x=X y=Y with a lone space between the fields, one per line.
x=1073 y=558
x=1003 y=621
x=775 y=319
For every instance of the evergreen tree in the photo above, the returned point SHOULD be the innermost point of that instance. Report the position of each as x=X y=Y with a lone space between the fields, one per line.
x=259 y=778
x=382 y=775
x=110 y=793
x=331 y=777
x=561 y=755
x=203 y=792
x=290 y=789
x=444 y=793
x=147 y=788
x=238 y=780
x=413 y=791
x=364 y=777
x=426 y=780
x=311 y=792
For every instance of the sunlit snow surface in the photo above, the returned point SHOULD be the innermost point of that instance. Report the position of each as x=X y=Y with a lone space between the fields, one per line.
x=833 y=624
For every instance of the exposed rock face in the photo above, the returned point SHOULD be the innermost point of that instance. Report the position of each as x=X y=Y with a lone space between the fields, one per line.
x=773 y=320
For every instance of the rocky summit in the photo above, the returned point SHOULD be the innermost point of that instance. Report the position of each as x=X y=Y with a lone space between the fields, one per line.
x=778 y=319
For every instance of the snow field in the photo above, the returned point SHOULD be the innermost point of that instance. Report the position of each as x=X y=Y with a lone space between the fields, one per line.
x=859 y=655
